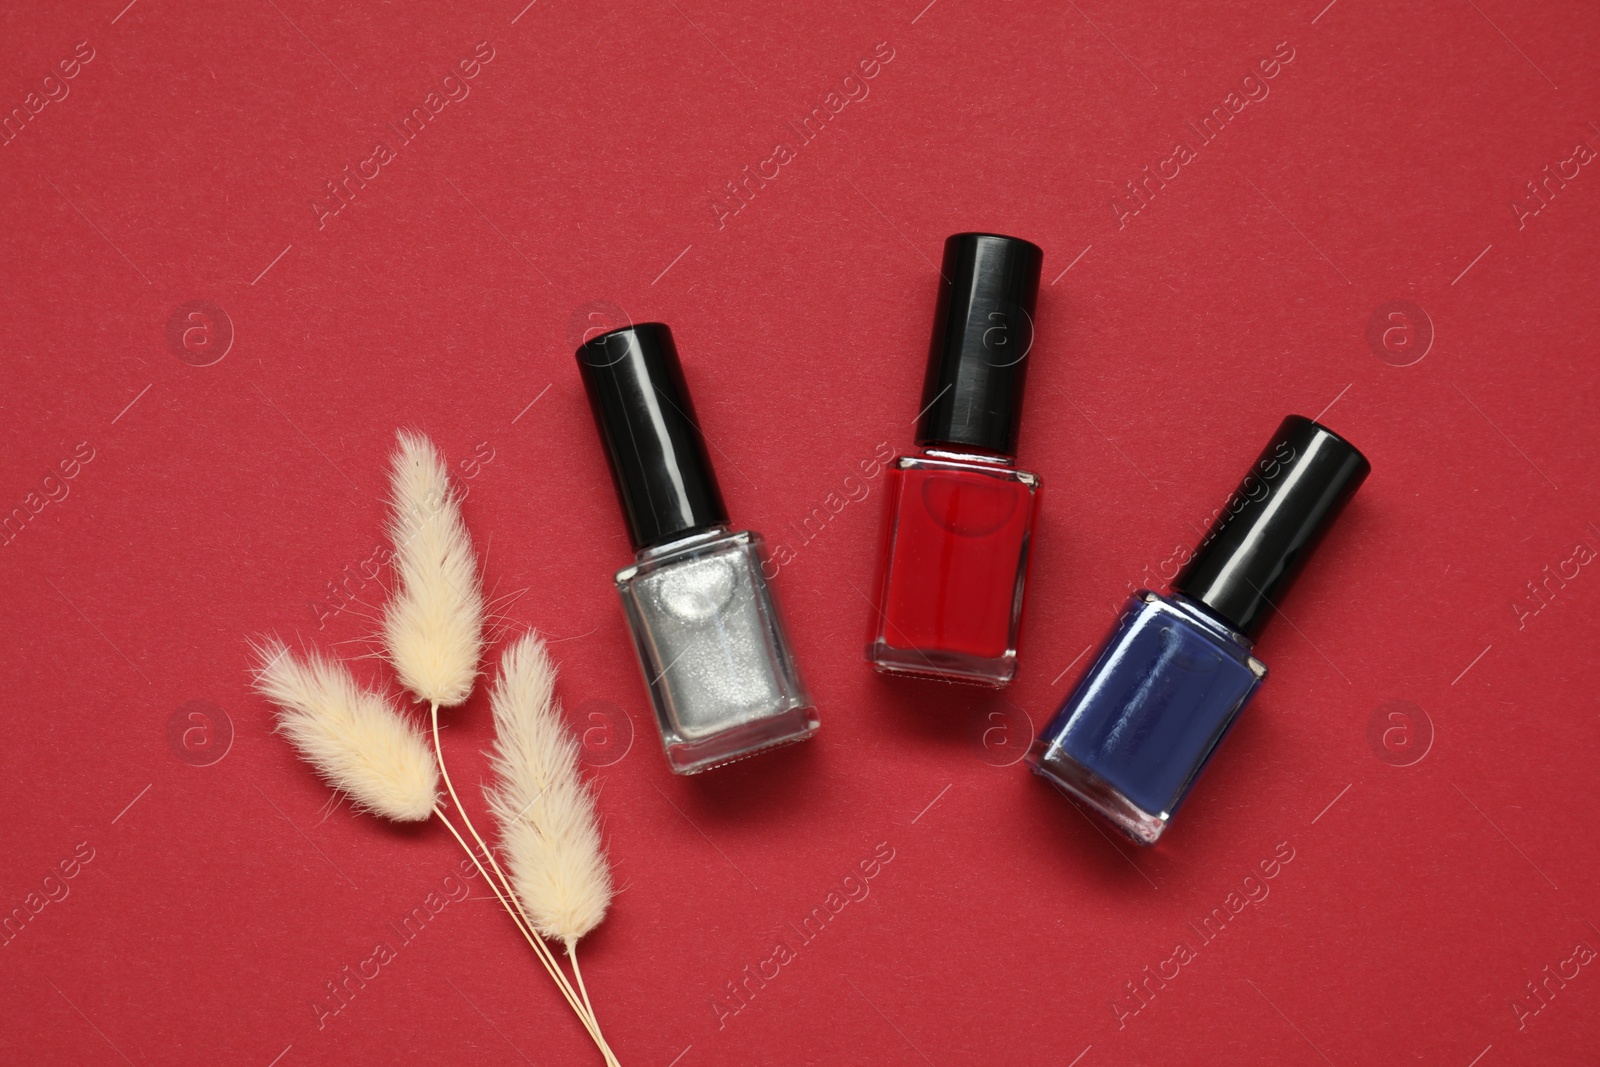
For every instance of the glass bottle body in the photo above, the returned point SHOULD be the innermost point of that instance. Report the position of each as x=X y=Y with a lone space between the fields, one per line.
x=955 y=564
x=1133 y=735
x=715 y=657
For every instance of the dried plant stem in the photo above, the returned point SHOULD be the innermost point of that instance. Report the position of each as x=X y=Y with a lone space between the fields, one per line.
x=438 y=750
x=513 y=906
x=538 y=945
x=572 y=954
x=533 y=940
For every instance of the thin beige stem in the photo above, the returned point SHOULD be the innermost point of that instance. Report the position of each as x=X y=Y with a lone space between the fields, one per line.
x=539 y=947
x=577 y=972
x=438 y=751
x=532 y=939
x=509 y=899
x=572 y=954
x=487 y=851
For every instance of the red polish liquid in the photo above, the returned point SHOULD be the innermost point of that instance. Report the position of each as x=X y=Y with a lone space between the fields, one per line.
x=955 y=560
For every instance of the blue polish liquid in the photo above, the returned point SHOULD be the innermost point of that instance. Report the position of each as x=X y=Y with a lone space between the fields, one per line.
x=1146 y=717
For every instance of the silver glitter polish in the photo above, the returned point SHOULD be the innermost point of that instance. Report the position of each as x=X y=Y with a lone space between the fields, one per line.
x=718 y=666
x=720 y=673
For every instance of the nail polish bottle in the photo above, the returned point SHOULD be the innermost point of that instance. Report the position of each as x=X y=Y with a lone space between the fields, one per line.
x=1140 y=725
x=715 y=657
x=960 y=520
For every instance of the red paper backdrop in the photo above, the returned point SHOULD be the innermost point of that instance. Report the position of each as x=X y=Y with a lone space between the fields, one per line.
x=581 y=164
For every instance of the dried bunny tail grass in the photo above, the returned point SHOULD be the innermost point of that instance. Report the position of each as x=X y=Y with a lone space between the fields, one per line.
x=433 y=635
x=433 y=625
x=353 y=737
x=548 y=827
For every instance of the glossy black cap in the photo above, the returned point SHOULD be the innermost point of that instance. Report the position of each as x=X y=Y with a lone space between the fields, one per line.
x=651 y=436
x=1268 y=528
x=982 y=341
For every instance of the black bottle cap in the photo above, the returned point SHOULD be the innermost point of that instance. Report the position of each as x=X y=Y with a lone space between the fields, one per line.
x=1266 y=531
x=652 y=438
x=982 y=337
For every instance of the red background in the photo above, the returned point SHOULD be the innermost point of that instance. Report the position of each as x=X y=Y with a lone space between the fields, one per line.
x=1381 y=167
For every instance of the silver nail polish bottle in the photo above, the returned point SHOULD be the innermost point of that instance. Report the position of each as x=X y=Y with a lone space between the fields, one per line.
x=710 y=642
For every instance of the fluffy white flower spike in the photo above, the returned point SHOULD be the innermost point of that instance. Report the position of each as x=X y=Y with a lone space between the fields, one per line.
x=546 y=813
x=354 y=738
x=433 y=625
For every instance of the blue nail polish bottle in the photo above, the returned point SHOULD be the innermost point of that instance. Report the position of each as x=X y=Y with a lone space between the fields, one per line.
x=1135 y=732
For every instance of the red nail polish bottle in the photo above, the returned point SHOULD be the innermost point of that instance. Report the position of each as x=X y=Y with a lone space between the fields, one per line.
x=960 y=525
